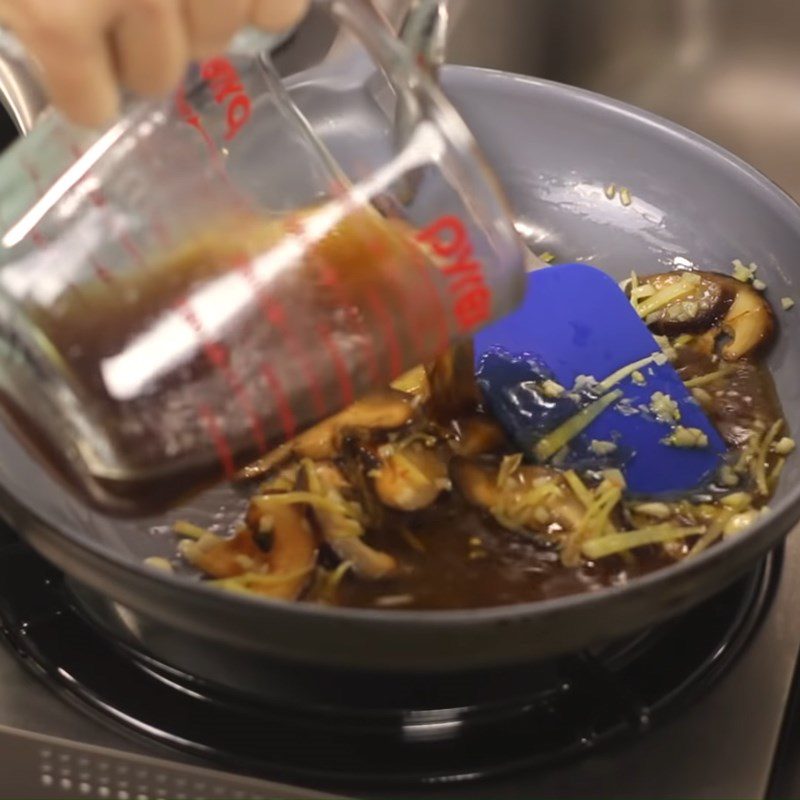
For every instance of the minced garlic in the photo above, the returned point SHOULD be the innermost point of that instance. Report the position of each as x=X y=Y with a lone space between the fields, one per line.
x=686 y=437
x=552 y=389
x=664 y=407
x=727 y=476
x=602 y=448
x=743 y=273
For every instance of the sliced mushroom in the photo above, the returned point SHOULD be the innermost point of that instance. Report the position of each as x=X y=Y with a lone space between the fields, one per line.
x=367 y=562
x=684 y=302
x=531 y=497
x=410 y=477
x=388 y=409
x=749 y=321
x=476 y=435
x=475 y=481
x=274 y=553
x=341 y=528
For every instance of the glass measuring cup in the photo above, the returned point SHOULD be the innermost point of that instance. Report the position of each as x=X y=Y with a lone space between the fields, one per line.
x=216 y=272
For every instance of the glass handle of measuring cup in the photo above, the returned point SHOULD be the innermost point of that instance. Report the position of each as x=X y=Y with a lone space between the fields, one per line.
x=22 y=92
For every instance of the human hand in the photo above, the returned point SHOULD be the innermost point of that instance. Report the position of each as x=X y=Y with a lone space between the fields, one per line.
x=88 y=49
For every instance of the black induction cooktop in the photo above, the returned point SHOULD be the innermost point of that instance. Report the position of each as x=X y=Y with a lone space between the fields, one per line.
x=691 y=708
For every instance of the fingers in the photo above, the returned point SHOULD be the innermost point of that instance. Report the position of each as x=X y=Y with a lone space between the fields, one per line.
x=86 y=48
x=151 y=46
x=277 y=15
x=66 y=39
x=79 y=77
x=210 y=24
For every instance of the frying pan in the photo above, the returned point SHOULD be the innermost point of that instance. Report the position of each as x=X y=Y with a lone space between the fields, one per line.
x=554 y=148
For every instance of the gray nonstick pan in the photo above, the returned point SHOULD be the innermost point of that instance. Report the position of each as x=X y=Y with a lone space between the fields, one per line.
x=555 y=149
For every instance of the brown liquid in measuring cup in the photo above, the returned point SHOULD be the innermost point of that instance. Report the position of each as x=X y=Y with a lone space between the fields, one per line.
x=190 y=367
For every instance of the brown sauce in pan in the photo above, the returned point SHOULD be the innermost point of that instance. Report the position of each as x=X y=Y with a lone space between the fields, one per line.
x=470 y=561
x=453 y=554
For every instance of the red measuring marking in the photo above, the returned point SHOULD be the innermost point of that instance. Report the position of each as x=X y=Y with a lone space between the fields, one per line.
x=37 y=237
x=423 y=267
x=157 y=226
x=438 y=314
x=99 y=269
x=99 y=200
x=35 y=177
x=376 y=303
x=339 y=365
x=329 y=277
x=380 y=249
x=214 y=431
x=102 y=272
x=288 y=421
x=131 y=247
x=40 y=240
x=274 y=314
x=389 y=334
x=218 y=356
x=161 y=232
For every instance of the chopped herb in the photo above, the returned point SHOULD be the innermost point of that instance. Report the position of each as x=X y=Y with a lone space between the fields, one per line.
x=664 y=407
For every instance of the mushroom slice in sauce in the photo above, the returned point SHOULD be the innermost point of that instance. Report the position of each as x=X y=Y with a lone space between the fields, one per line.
x=684 y=302
x=749 y=321
x=410 y=476
x=341 y=525
x=385 y=410
x=712 y=303
x=272 y=555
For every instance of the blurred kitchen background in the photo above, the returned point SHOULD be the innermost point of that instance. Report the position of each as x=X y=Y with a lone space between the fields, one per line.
x=728 y=69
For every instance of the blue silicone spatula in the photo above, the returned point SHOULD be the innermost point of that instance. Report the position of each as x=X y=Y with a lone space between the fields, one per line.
x=575 y=320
